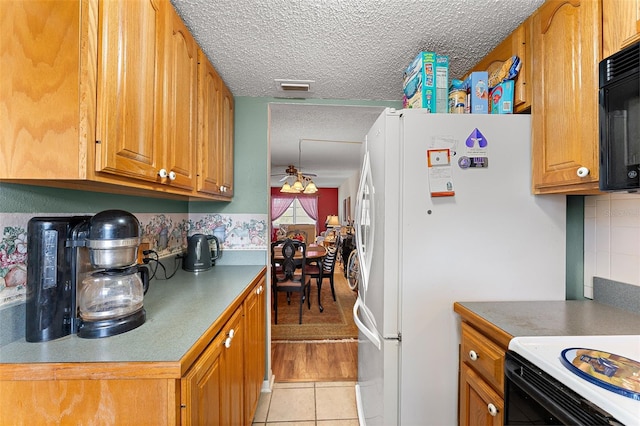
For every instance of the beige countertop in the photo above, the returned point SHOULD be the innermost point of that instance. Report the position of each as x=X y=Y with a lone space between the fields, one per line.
x=557 y=318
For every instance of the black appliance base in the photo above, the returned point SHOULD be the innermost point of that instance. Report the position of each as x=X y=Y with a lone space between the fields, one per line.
x=111 y=327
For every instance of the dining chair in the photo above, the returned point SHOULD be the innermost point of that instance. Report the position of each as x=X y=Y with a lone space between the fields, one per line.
x=324 y=270
x=289 y=273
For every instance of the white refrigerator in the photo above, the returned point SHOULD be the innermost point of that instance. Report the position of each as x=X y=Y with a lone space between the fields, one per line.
x=444 y=213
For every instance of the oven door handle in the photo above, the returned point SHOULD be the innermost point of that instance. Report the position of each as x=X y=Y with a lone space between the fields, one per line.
x=511 y=371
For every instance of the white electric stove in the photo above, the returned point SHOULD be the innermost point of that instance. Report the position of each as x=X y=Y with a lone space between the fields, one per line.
x=546 y=353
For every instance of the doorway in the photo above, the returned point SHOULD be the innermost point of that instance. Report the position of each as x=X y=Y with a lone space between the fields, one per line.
x=324 y=140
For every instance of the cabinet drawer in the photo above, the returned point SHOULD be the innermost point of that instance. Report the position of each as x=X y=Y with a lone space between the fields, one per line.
x=484 y=356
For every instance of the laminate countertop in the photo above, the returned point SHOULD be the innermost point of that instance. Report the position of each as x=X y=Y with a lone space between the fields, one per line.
x=179 y=312
x=555 y=318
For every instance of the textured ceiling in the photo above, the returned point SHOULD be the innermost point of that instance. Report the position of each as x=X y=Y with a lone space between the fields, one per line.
x=355 y=50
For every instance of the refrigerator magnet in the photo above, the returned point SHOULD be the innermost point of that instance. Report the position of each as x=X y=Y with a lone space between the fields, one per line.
x=477 y=151
x=440 y=173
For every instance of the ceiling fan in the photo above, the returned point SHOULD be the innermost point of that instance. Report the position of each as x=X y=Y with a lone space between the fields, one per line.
x=291 y=171
x=302 y=182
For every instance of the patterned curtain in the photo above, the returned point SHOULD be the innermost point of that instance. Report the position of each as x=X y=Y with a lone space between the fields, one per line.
x=310 y=206
x=279 y=205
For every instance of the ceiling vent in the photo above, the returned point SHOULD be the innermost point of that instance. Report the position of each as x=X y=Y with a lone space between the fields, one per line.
x=294 y=88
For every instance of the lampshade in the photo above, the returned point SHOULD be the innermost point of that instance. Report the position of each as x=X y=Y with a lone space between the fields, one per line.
x=332 y=221
x=311 y=188
x=286 y=187
x=297 y=186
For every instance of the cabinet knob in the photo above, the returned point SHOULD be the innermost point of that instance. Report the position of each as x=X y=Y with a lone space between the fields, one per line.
x=492 y=409
x=473 y=355
x=172 y=175
x=232 y=333
x=582 y=172
x=227 y=342
x=163 y=173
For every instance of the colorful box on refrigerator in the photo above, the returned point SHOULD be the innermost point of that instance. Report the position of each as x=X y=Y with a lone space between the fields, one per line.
x=501 y=98
x=426 y=83
x=478 y=92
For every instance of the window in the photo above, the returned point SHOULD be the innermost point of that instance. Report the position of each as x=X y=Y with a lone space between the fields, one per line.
x=294 y=214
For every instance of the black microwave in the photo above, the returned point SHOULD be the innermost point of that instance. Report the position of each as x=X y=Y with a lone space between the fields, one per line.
x=619 y=120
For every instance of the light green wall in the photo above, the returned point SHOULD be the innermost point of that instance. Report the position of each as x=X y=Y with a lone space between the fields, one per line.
x=16 y=198
x=575 y=247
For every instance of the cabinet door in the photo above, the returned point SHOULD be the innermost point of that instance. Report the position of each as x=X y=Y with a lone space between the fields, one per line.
x=212 y=390
x=226 y=128
x=566 y=50
x=232 y=372
x=130 y=80
x=620 y=25
x=181 y=102
x=39 y=90
x=479 y=403
x=255 y=346
x=209 y=122
x=201 y=387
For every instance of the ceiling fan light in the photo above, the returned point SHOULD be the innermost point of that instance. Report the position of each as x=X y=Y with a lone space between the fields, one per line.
x=286 y=187
x=297 y=186
x=311 y=188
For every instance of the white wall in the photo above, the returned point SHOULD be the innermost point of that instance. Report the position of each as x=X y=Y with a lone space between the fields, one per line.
x=611 y=239
x=348 y=189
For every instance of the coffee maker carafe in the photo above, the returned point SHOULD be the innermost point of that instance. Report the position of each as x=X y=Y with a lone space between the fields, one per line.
x=110 y=290
x=82 y=276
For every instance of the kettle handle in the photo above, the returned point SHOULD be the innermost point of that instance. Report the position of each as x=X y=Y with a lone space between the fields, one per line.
x=215 y=254
x=144 y=275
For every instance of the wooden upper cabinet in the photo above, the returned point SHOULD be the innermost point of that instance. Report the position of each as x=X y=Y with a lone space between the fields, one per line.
x=40 y=123
x=215 y=132
x=620 y=25
x=209 y=94
x=103 y=95
x=130 y=88
x=516 y=44
x=181 y=103
x=566 y=50
x=227 y=142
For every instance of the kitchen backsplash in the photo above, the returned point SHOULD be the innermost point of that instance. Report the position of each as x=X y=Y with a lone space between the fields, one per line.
x=166 y=234
x=611 y=241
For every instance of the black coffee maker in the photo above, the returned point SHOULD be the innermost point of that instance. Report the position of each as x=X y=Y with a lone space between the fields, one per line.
x=82 y=276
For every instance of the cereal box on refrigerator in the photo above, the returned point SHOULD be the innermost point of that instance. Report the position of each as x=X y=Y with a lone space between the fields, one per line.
x=501 y=98
x=426 y=83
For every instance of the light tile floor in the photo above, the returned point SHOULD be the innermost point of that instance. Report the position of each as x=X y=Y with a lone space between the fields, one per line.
x=308 y=404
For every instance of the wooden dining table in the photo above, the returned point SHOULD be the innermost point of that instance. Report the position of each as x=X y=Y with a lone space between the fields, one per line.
x=315 y=253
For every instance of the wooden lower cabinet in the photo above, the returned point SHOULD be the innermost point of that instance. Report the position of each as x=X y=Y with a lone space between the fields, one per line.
x=217 y=382
x=80 y=401
x=479 y=403
x=481 y=380
x=255 y=347
x=213 y=389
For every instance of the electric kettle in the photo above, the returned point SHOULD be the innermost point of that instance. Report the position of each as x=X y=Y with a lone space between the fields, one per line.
x=200 y=255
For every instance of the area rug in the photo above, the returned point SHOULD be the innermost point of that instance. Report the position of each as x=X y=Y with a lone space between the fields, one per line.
x=335 y=322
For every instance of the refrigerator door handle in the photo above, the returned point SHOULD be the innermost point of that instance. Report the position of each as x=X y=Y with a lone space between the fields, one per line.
x=372 y=336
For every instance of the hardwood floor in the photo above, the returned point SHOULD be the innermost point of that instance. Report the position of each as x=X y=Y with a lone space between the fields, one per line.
x=320 y=361
x=315 y=361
